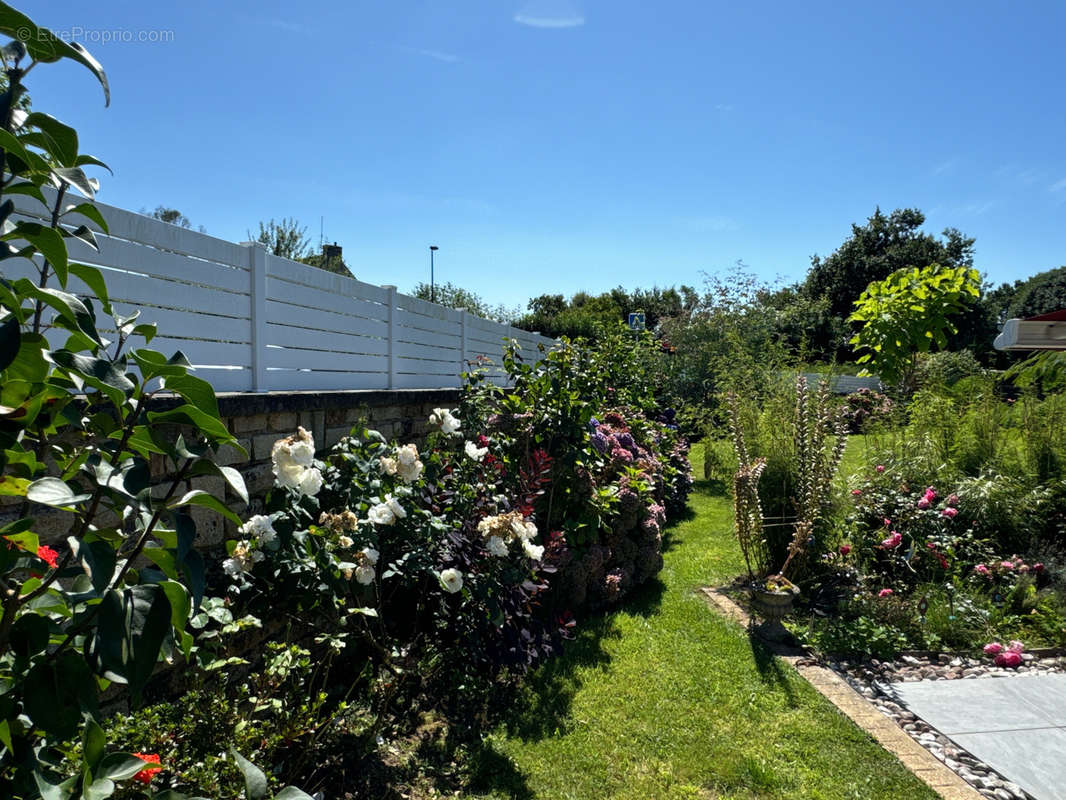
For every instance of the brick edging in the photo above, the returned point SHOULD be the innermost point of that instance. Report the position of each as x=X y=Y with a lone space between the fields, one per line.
x=859 y=710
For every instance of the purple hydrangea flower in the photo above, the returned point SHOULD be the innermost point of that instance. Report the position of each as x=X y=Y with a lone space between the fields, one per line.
x=599 y=441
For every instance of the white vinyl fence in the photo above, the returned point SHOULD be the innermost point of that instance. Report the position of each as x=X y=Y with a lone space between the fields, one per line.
x=250 y=321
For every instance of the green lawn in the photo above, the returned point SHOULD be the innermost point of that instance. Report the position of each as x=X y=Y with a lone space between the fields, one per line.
x=665 y=699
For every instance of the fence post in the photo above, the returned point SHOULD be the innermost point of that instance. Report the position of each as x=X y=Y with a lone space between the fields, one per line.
x=392 y=335
x=257 y=270
x=462 y=339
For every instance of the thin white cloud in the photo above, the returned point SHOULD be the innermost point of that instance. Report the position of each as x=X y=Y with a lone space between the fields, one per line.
x=550 y=14
x=1058 y=186
x=945 y=166
x=281 y=24
x=976 y=209
x=436 y=55
x=723 y=107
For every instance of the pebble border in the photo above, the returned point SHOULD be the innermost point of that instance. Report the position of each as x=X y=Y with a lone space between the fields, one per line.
x=857 y=705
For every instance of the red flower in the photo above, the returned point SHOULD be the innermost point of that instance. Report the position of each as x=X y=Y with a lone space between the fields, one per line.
x=145 y=775
x=845 y=549
x=48 y=555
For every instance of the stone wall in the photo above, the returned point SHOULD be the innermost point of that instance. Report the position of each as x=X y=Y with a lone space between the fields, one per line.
x=259 y=420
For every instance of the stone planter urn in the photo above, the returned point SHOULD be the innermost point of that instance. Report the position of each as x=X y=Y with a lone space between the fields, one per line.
x=773 y=603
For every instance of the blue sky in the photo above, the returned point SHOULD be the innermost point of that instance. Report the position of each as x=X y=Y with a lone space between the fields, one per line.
x=565 y=145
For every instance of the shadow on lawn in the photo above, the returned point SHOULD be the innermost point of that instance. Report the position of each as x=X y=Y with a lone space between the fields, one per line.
x=771 y=669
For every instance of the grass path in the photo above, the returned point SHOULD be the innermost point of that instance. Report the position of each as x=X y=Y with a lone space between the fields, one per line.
x=665 y=699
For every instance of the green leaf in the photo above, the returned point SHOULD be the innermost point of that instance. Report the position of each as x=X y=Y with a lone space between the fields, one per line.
x=43 y=45
x=10 y=144
x=255 y=782
x=210 y=426
x=292 y=793
x=229 y=474
x=162 y=558
x=54 y=492
x=77 y=178
x=55 y=791
x=71 y=309
x=48 y=242
x=102 y=374
x=10 y=341
x=56 y=694
x=97 y=558
x=10 y=486
x=64 y=137
x=29 y=636
x=196 y=392
x=198 y=497
x=93 y=744
x=180 y=605
x=100 y=789
x=121 y=766
x=90 y=211
x=5 y=735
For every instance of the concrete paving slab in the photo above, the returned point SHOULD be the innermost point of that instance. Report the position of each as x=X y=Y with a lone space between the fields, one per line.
x=1034 y=759
x=1016 y=725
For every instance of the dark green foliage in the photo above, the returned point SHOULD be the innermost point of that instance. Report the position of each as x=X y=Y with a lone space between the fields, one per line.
x=1041 y=294
x=587 y=316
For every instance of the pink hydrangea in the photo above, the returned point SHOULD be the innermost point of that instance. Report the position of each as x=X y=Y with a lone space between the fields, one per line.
x=892 y=541
x=880 y=467
x=949 y=512
x=993 y=649
x=885 y=593
x=1008 y=659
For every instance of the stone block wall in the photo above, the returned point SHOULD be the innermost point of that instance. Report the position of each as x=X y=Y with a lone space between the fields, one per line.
x=259 y=420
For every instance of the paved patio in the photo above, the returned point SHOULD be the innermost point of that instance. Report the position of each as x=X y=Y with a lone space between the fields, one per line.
x=1016 y=725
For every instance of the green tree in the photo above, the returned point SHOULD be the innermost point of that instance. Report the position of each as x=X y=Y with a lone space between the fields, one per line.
x=909 y=313
x=285 y=239
x=1041 y=294
x=452 y=296
x=879 y=248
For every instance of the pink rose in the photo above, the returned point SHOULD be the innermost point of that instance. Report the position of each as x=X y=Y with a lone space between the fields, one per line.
x=1015 y=646
x=845 y=549
x=1008 y=659
x=949 y=512
x=930 y=493
x=880 y=467
x=887 y=522
x=993 y=648
x=856 y=492
x=1038 y=567
x=1007 y=564
x=892 y=541
x=885 y=593
x=924 y=503
x=953 y=499
x=981 y=569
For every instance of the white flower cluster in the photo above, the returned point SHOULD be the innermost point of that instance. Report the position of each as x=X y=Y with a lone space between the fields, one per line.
x=502 y=529
x=244 y=557
x=386 y=512
x=365 y=561
x=260 y=528
x=475 y=452
x=294 y=463
x=451 y=580
x=444 y=419
x=405 y=464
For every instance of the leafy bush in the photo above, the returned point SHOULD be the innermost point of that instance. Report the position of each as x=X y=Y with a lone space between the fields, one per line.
x=865 y=408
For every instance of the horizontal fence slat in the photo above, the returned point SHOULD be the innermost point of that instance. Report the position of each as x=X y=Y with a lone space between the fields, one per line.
x=315 y=299
x=128 y=256
x=322 y=359
x=430 y=351
x=342 y=285
x=289 y=336
x=324 y=322
x=292 y=380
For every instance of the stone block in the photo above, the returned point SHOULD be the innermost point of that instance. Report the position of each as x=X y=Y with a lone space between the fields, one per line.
x=334 y=435
x=228 y=455
x=262 y=445
x=315 y=422
x=284 y=423
x=258 y=479
x=210 y=527
x=388 y=413
x=248 y=424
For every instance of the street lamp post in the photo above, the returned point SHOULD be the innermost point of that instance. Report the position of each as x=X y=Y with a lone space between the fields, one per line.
x=432 y=288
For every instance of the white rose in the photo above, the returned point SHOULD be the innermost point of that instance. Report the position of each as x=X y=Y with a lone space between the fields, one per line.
x=364 y=574
x=530 y=529
x=371 y=555
x=287 y=470
x=444 y=419
x=233 y=567
x=310 y=482
x=486 y=525
x=475 y=452
x=451 y=580
x=303 y=452
x=409 y=472
x=395 y=507
x=496 y=546
x=381 y=514
x=407 y=455
x=261 y=527
x=388 y=465
x=534 y=551
x=345 y=541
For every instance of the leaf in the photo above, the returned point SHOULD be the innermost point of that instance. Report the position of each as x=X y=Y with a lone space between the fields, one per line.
x=229 y=474
x=10 y=341
x=149 y=622
x=54 y=492
x=90 y=211
x=97 y=559
x=210 y=426
x=54 y=791
x=198 y=497
x=292 y=793
x=102 y=374
x=64 y=137
x=121 y=766
x=43 y=45
x=48 y=242
x=196 y=391
x=56 y=694
x=180 y=606
x=77 y=178
x=255 y=782
x=100 y=789
x=10 y=144
x=11 y=486
x=93 y=744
